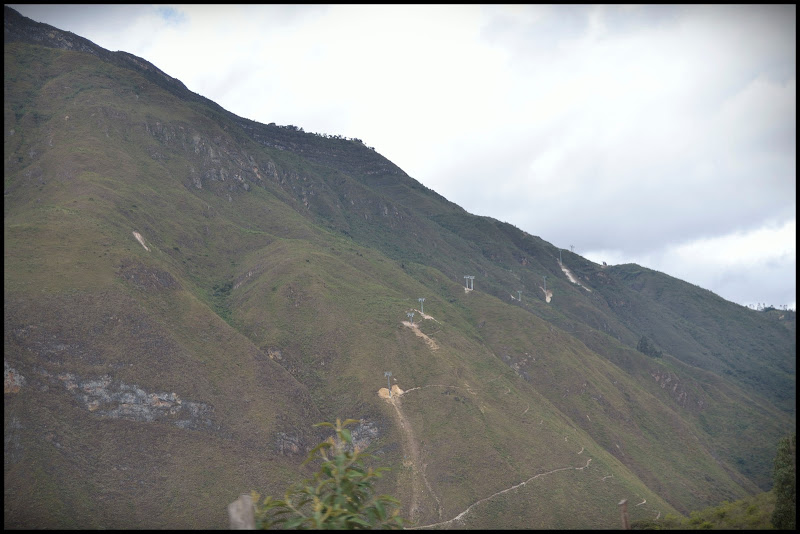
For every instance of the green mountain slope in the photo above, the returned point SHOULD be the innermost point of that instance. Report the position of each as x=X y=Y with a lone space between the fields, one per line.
x=187 y=292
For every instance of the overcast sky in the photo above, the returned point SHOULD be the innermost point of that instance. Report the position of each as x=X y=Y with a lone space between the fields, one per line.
x=659 y=135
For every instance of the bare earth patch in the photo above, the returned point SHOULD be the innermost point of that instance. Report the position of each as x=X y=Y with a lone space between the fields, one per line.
x=426 y=316
x=140 y=239
x=431 y=343
x=396 y=392
x=548 y=294
x=573 y=279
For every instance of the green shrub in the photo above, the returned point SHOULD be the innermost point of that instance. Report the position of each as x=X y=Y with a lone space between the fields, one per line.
x=339 y=496
x=695 y=518
x=785 y=488
x=645 y=346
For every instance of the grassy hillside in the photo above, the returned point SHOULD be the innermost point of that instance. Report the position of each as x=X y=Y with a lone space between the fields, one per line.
x=186 y=293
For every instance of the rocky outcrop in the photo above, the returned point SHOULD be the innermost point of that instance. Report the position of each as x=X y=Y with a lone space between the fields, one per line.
x=346 y=155
x=291 y=443
x=364 y=433
x=12 y=380
x=145 y=277
x=117 y=400
x=677 y=392
x=217 y=161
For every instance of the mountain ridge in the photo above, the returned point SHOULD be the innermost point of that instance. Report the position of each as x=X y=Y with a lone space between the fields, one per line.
x=271 y=295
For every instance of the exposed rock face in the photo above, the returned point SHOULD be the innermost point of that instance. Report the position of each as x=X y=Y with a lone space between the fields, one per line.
x=670 y=382
x=147 y=278
x=364 y=433
x=289 y=444
x=218 y=158
x=12 y=380
x=346 y=155
x=118 y=400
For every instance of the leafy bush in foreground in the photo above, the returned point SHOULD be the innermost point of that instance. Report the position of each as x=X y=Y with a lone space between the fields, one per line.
x=339 y=496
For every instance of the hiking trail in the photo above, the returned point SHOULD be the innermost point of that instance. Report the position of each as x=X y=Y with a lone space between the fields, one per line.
x=413 y=457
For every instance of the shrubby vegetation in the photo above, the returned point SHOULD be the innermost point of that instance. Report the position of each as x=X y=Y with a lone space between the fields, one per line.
x=774 y=509
x=645 y=346
x=339 y=496
x=752 y=513
x=785 y=474
x=294 y=128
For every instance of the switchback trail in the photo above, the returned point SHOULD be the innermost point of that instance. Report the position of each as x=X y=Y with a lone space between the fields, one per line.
x=413 y=458
x=460 y=516
x=420 y=482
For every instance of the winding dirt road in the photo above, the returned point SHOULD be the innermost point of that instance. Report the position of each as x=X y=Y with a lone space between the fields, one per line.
x=413 y=456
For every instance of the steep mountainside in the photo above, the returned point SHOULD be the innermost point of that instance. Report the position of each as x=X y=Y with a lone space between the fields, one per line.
x=186 y=292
